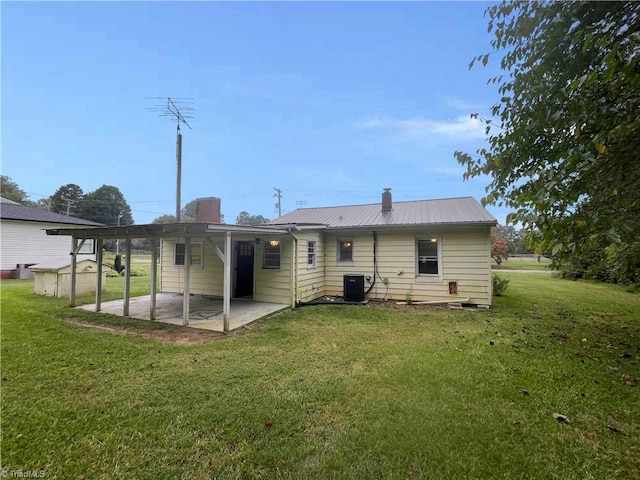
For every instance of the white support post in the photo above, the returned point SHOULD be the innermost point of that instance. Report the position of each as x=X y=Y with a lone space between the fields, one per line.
x=154 y=278
x=99 y=272
x=294 y=271
x=127 y=278
x=72 y=288
x=187 y=279
x=226 y=299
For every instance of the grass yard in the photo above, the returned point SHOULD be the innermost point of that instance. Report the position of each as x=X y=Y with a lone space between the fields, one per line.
x=528 y=262
x=333 y=392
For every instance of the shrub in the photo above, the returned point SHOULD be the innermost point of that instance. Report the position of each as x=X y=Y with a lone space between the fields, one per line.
x=135 y=272
x=117 y=264
x=500 y=284
x=112 y=273
x=623 y=263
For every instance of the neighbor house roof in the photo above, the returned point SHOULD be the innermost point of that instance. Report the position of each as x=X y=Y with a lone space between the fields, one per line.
x=14 y=211
x=448 y=211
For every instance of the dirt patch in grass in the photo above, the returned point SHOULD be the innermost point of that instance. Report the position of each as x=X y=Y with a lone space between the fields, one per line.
x=173 y=335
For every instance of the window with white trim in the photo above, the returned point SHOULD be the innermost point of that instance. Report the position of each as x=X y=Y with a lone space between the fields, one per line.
x=179 y=255
x=311 y=254
x=428 y=256
x=89 y=247
x=345 y=250
x=271 y=253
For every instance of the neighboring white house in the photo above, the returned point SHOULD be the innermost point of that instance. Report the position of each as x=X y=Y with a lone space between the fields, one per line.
x=24 y=241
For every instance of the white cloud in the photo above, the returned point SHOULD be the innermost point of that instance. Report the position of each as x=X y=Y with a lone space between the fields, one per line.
x=464 y=105
x=422 y=128
x=455 y=172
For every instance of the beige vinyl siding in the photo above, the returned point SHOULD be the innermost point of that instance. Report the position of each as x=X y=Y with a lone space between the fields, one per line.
x=208 y=280
x=271 y=284
x=465 y=258
x=310 y=284
x=58 y=282
x=28 y=243
x=362 y=259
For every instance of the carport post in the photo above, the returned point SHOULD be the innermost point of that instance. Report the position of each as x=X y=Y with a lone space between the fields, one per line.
x=154 y=278
x=127 y=278
x=72 y=287
x=226 y=296
x=187 y=279
x=99 y=279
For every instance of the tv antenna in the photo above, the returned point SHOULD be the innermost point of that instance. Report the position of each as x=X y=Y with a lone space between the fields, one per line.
x=174 y=109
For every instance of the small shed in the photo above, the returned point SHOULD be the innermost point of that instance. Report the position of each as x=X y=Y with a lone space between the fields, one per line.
x=53 y=278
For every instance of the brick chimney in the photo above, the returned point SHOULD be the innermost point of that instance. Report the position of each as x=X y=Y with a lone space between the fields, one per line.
x=208 y=210
x=386 y=200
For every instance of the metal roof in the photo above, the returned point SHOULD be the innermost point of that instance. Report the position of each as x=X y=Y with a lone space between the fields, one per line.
x=167 y=230
x=447 y=211
x=59 y=263
x=14 y=211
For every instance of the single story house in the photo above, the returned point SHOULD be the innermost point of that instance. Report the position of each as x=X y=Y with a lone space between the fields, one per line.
x=24 y=242
x=429 y=250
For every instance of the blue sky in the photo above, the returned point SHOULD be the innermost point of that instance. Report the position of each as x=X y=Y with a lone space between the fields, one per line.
x=330 y=102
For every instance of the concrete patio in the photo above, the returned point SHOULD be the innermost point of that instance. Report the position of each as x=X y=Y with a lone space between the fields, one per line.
x=205 y=312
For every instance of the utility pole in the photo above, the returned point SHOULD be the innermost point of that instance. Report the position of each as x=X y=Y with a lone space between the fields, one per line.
x=68 y=200
x=278 y=194
x=171 y=110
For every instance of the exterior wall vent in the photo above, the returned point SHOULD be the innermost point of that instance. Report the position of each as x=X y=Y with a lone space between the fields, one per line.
x=387 y=204
x=208 y=210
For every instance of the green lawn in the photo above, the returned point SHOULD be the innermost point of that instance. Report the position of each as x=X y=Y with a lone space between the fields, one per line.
x=522 y=263
x=333 y=392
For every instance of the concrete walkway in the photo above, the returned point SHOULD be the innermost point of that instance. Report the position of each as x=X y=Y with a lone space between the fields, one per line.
x=205 y=312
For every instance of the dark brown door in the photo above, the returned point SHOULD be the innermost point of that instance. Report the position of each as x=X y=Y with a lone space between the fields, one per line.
x=244 y=269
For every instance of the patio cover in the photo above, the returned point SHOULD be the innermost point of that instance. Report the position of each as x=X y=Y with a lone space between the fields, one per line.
x=155 y=232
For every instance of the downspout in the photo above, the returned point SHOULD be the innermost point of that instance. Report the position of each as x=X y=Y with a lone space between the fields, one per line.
x=375 y=264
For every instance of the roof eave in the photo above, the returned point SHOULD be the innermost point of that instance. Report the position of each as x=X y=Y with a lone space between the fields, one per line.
x=408 y=226
x=163 y=230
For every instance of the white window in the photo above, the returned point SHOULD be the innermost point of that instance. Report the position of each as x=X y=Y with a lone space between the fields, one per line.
x=89 y=247
x=311 y=254
x=196 y=255
x=428 y=256
x=271 y=253
x=345 y=250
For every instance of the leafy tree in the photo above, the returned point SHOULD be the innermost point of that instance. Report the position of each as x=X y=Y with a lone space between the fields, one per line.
x=499 y=249
x=105 y=205
x=188 y=212
x=43 y=204
x=187 y=215
x=165 y=219
x=11 y=191
x=66 y=199
x=563 y=149
x=245 y=219
x=515 y=238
